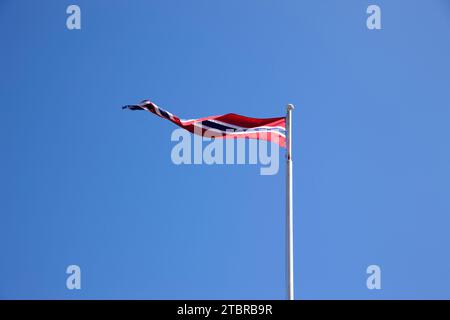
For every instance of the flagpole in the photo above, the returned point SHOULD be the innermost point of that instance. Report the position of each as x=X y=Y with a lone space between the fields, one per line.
x=289 y=208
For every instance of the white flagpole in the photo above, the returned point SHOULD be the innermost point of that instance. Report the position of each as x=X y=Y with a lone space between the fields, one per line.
x=289 y=208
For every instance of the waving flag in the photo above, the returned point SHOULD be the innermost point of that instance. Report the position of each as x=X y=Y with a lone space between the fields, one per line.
x=226 y=126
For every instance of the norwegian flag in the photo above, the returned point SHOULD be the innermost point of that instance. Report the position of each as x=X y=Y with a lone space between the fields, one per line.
x=226 y=126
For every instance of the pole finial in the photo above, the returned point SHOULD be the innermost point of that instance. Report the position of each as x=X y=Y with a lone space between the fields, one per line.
x=290 y=107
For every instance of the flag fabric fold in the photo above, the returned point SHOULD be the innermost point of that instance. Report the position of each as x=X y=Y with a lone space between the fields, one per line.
x=227 y=126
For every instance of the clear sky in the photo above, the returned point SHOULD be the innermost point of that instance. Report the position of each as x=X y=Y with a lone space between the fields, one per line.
x=85 y=183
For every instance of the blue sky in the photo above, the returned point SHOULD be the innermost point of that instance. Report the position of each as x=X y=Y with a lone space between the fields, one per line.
x=85 y=183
